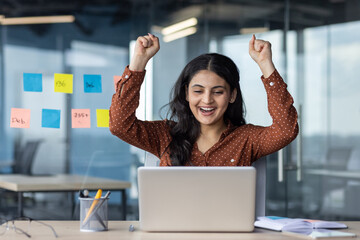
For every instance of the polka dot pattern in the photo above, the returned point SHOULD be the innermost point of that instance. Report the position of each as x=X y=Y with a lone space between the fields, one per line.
x=237 y=146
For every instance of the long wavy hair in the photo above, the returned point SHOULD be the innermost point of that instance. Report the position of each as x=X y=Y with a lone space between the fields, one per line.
x=184 y=128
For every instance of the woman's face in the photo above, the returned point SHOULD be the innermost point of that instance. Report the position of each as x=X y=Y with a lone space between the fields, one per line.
x=209 y=95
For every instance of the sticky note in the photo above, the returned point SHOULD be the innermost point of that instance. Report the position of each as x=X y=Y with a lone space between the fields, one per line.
x=92 y=83
x=50 y=118
x=116 y=80
x=102 y=117
x=32 y=82
x=80 y=118
x=20 y=118
x=63 y=82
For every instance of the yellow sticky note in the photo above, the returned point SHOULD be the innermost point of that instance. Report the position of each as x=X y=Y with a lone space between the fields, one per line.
x=102 y=117
x=63 y=82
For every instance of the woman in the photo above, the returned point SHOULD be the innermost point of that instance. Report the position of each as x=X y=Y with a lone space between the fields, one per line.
x=206 y=125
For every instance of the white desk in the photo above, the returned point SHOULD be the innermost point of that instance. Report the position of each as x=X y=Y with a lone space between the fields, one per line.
x=60 y=183
x=119 y=230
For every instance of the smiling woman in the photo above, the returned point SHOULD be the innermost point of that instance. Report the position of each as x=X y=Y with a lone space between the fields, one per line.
x=213 y=96
x=206 y=125
x=209 y=96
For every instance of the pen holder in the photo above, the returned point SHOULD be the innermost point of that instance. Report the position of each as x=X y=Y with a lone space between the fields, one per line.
x=93 y=214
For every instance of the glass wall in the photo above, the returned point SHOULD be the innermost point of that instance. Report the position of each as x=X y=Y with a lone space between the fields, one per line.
x=61 y=147
x=321 y=78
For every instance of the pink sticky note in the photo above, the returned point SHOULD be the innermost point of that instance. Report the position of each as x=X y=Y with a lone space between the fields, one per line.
x=80 y=118
x=20 y=118
x=116 y=80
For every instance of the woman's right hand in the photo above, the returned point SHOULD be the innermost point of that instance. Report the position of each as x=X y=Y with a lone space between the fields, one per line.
x=145 y=48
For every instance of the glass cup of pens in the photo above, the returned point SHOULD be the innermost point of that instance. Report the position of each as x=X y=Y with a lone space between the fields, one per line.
x=94 y=212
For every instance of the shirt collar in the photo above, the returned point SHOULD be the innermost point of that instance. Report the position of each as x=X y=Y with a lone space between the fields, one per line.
x=229 y=128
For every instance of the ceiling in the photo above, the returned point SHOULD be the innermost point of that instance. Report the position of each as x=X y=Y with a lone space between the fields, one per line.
x=221 y=14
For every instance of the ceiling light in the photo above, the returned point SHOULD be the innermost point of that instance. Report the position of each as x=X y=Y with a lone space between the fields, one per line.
x=179 y=26
x=254 y=30
x=179 y=34
x=37 y=20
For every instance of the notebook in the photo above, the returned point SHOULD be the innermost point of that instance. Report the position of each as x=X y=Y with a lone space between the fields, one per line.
x=197 y=199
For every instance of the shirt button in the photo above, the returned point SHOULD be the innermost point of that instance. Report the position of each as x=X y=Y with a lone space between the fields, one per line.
x=126 y=76
x=232 y=160
x=272 y=84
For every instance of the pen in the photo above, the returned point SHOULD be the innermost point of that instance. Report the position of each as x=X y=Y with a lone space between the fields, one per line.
x=84 y=194
x=97 y=196
x=81 y=195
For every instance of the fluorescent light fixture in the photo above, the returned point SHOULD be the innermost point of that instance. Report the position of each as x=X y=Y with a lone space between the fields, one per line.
x=37 y=20
x=180 y=34
x=179 y=26
x=254 y=30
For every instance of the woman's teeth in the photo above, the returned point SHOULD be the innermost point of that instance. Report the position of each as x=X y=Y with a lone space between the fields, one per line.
x=206 y=109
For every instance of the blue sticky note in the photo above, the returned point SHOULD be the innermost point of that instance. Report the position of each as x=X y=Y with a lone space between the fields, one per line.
x=50 y=118
x=32 y=82
x=92 y=83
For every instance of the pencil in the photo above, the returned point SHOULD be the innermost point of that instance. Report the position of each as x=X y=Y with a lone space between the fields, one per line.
x=97 y=196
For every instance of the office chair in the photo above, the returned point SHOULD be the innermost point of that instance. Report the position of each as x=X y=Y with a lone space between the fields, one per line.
x=24 y=162
x=260 y=166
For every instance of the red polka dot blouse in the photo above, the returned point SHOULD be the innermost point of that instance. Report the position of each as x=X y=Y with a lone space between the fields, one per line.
x=237 y=146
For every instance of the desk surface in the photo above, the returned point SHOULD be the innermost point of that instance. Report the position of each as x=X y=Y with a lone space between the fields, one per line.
x=119 y=230
x=62 y=182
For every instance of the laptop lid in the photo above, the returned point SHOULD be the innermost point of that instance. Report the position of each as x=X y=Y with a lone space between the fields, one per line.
x=206 y=199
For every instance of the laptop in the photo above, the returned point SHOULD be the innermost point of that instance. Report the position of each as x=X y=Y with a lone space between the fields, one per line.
x=197 y=199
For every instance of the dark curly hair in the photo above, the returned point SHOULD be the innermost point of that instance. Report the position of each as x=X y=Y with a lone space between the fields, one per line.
x=185 y=129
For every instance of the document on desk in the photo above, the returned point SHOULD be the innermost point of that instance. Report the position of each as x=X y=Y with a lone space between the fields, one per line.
x=292 y=224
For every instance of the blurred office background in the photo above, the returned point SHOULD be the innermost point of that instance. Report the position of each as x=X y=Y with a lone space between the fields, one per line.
x=316 y=46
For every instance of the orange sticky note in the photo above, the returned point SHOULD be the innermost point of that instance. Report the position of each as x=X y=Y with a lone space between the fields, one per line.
x=20 y=118
x=63 y=82
x=116 y=80
x=80 y=118
x=102 y=117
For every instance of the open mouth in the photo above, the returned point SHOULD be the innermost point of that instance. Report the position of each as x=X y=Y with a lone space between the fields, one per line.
x=207 y=109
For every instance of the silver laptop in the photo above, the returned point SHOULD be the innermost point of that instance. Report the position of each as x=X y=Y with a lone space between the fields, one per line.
x=205 y=199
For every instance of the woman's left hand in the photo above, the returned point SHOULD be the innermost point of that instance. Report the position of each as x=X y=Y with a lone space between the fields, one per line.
x=260 y=52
